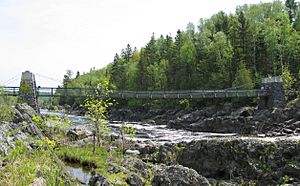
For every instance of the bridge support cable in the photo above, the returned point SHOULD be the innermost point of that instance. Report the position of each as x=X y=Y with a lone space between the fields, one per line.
x=13 y=79
x=49 y=78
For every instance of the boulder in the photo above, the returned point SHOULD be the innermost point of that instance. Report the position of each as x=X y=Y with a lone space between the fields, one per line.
x=244 y=112
x=178 y=175
x=248 y=157
x=294 y=104
x=297 y=115
x=97 y=179
x=167 y=154
x=135 y=180
x=132 y=152
x=223 y=124
x=33 y=130
x=18 y=116
x=292 y=170
x=136 y=165
x=24 y=108
x=114 y=169
x=78 y=133
x=261 y=115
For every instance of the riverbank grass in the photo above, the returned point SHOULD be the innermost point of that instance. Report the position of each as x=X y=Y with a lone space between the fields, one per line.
x=98 y=160
x=24 y=166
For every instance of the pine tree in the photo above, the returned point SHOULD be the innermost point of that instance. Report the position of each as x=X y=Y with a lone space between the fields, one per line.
x=243 y=78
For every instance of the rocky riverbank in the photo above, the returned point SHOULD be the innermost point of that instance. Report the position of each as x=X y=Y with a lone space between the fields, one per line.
x=20 y=129
x=236 y=160
x=224 y=119
x=266 y=150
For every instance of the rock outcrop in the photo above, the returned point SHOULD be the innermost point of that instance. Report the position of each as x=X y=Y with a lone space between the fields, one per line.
x=19 y=130
x=266 y=160
x=177 y=175
x=221 y=119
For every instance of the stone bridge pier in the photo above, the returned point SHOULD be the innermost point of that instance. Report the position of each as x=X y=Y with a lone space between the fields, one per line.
x=28 y=90
x=276 y=95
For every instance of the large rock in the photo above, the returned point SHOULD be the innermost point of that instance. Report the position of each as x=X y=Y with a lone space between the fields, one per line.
x=135 y=165
x=78 y=133
x=244 y=112
x=24 y=108
x=97 y=179
x=177 y=175
x=224 y=124
x=11 y=132
x=259 y=159
x=167 y=154
x=33 y=130
x=135 y=180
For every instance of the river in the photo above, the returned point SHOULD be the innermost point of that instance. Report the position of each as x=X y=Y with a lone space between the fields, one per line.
x=144 y=132
x=159 y=134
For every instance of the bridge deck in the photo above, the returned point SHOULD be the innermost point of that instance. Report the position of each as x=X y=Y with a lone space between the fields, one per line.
x=189 y=94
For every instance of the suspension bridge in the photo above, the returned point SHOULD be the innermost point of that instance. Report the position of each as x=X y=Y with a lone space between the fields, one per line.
x=271 y=92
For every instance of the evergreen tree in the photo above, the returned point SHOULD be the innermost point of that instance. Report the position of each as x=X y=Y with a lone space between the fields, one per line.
x=243 y=78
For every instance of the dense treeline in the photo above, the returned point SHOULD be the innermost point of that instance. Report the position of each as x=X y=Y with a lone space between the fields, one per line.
x=225 y=51
x=257 y=41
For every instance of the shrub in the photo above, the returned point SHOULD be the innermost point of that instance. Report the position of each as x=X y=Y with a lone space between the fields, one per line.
x=6 y=111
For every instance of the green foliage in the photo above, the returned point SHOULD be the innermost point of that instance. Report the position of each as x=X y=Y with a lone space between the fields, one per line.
x=23 y=166
x=127 y=129
x=6 y=111
x=86 y=80
x=258 y=39
x=53 y=126
x=25 y=87
x=185 y=103
x=99 y=160
x=243 y=78
x=96 y=109
x=288 y=78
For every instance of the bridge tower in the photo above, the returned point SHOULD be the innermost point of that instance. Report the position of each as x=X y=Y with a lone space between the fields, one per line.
x=276 y=96
x=28 y=90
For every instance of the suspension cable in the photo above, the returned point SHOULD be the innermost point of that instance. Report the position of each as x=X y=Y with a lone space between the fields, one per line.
x=11 y=80
x=49 y=78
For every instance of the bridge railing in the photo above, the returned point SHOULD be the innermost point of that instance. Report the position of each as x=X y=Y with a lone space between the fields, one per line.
x=11 y=91
x=63 y=92
x=189 y=94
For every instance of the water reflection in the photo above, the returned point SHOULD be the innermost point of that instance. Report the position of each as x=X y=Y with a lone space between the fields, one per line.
x=77 y=172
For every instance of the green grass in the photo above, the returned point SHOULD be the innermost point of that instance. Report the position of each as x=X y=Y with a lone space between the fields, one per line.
x=25 y=166
x=98 y=161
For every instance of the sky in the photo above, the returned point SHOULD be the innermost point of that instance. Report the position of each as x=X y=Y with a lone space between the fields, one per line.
x=48 y=37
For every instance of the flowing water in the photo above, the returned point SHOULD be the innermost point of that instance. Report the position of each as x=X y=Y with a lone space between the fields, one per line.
x=148 y=132
x=144 y=132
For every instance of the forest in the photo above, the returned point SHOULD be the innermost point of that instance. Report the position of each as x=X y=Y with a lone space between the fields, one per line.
x=233 y=50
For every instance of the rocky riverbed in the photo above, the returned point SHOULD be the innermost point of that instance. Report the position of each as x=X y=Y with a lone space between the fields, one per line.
x=221 y=119
x=210 y=146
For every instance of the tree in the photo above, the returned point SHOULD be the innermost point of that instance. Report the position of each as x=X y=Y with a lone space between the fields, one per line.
x=243 y=78
x=291 y=6
x=67 y=78
x=118 y=73
x=288 y=78
x=127 y=54
x=77 y=74
x=218 y=64
x=188 y=59
x=96 y=111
